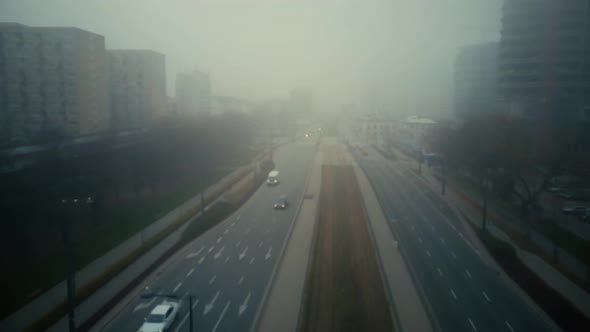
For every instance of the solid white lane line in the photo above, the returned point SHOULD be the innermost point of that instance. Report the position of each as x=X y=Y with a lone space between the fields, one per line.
x=212 y=280
x=241 y=280
x=190 y=272
x=439 y=271
x=509 y=326
x=486 y=296
x=468 y=274
x=472 y=325
x=428 y=253
x=177 y=287
x=453 y=293
x=221 y=317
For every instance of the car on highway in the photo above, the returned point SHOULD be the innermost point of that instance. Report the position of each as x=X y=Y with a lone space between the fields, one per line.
x=161 y=317
x=282 y=203
x=576 y=210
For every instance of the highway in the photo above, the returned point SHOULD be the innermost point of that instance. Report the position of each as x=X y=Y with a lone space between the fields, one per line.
x=460 y=290
x=228 y=268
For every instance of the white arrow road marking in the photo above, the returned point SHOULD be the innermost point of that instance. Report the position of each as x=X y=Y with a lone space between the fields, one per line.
x=190 y=272
x=252 y=260
x=243 y=253
x=211 y=304
x=210 y=249
x=194 y=254
x=244 y=305
x=212 y=280
x=241 y=280
x=177 y=287
x=201 y=260
x=221 y=317
x=219 y=253
x=268 y=254
x=145 y=305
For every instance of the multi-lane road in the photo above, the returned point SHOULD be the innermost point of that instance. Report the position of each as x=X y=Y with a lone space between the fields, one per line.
x=228 y=269
x=461 y=291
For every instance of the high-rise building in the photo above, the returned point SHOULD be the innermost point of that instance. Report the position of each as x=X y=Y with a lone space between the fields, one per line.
x=475 y=78
x=137 y=87
x=53 y=82
x=544 y=57
x=193 y=93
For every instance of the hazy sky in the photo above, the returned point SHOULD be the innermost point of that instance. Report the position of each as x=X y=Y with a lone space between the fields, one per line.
x=395 y=51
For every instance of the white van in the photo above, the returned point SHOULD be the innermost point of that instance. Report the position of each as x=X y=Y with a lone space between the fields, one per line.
x=273 y=178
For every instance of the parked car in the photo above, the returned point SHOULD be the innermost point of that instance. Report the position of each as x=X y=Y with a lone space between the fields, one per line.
x=576 y=210
x=161 y=317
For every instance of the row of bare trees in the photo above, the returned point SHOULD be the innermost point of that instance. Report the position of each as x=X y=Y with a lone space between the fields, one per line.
x=513 y=156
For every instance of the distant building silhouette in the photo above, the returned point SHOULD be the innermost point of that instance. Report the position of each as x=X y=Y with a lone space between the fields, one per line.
x=193 y=93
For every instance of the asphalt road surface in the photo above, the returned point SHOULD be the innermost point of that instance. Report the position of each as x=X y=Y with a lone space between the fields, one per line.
x=462 y=292
x=228 y=268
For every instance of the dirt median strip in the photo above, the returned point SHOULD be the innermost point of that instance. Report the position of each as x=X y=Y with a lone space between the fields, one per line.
x=345 y=290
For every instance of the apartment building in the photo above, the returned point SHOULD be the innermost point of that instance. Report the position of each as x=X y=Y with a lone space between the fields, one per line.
x=193 y=93
x=137 y=88
x=544 y=57
x=53 y=83
x=475 y=80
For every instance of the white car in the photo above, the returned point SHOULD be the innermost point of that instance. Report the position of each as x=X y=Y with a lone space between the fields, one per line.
x=161 y=317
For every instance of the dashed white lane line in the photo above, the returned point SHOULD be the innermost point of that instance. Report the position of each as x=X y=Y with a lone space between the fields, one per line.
x=468 y=273
x=212 y=280
x=472 y=325
x=453 y=293
x=419 y=239
x=219 y=239
x=439 y=271
x=190 y=272
x=201 y=260
x=509 y=326
x=442 y=240
x=210 y=249
x=453 y=255
x=243 y=253
x=453 y=227
x=486 y=296
x=241 y=280
x=221 y=317
x=226 y=259
x=252 y=260
x=177 y=287
x=428 y=253
x=225 y=232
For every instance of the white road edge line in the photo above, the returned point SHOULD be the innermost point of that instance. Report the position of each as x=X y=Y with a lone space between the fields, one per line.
x=472 y=325
x=221 y=317
x=509 y=326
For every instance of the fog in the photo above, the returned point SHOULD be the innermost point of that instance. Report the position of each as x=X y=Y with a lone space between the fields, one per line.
x=397 y=53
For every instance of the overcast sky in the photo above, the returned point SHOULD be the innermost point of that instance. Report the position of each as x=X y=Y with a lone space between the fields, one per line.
x=398 y=52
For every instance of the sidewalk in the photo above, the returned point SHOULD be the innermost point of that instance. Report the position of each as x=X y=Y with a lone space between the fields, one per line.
x=285 y=300
x=409 y=310
x=472 y=211
x=57 y=295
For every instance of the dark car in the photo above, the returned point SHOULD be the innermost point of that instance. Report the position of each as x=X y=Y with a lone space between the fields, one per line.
x=282 y=203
